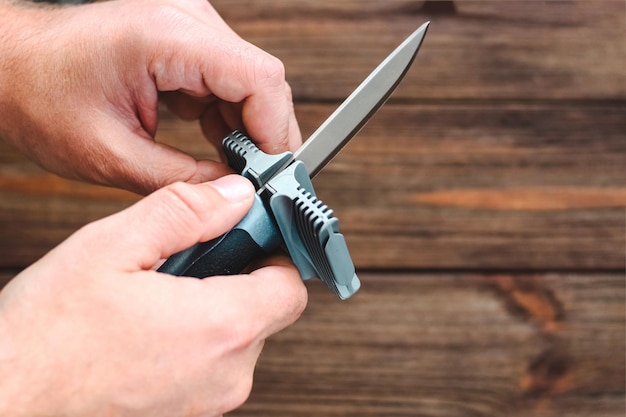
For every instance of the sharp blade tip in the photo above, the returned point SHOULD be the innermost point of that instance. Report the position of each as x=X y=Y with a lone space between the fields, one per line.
x=419 y=33
x=423 y=28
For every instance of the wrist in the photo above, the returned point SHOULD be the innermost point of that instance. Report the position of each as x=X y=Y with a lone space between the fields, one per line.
x=17 y=22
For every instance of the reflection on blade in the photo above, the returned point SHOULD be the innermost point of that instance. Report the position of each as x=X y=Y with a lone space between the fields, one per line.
x=356 y=110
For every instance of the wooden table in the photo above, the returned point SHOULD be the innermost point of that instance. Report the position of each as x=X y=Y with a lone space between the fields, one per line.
x=484 y=206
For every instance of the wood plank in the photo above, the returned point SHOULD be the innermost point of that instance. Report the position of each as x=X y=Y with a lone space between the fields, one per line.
x=543 y=345
x=498 y=49
x=423 y=186
x=450 y=345
x=505 y=149
x=509 y=187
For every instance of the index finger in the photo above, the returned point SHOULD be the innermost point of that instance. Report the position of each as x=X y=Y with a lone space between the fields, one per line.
x=260 y=119
x=255 y=79
x=212 y=60
x=259 y=304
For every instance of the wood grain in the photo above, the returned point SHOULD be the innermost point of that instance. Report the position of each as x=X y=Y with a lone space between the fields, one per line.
x=500 y=157
x=451 y=345
x=479 y=50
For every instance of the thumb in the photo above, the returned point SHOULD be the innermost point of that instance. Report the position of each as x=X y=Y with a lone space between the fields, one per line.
x=165 y=222
x=150 y=165
x=138 y=163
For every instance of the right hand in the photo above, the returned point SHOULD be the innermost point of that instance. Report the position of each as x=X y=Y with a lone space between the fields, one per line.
x=79 y=89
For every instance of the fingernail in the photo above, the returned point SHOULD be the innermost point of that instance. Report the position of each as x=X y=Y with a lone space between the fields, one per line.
x=233 y=187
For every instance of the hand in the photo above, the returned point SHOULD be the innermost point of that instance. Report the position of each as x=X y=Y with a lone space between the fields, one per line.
x=79 y=88
x=93 y=330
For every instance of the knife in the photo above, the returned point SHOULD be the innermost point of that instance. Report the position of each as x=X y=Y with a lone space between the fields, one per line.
x=286 y=211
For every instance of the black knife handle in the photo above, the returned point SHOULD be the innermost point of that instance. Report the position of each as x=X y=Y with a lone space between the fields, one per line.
x=256 y=235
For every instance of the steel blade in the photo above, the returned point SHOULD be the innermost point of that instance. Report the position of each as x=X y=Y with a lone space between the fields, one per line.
x=356 y=110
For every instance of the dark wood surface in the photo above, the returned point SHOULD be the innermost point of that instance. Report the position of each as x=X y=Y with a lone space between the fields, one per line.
x=451 y=345
x=484 y=206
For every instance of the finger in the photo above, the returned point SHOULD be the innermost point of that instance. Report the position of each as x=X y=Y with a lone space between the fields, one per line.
x=261 y=303
x=133 y=160
x=266 y=113
x=231 y=114
x=220 y=119
x=150 y=166
x=295 y=136
x=235 y=71
x=158 y=165
x=280 y=122
x=166 y=222
x=279 y=258
x=283 y=295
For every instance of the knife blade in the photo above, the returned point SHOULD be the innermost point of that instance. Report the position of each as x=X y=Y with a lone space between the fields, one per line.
x=358 y=108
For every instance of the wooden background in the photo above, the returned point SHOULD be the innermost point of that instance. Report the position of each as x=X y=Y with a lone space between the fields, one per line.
x=484 y=207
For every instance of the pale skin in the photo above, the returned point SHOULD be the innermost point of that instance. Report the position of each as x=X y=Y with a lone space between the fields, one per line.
x=115 y=58
x=92 y=329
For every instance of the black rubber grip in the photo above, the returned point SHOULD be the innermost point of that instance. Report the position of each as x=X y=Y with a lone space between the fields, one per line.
x=228 y=254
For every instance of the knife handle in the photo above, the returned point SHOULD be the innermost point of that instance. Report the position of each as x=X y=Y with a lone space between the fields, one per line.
x=256 y=235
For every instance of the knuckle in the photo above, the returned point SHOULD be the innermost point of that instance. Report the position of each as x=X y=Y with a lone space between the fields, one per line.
x=291 y=292
x=164 y=10
x=180 y=193
x=239 y=394
x=181 y=201
x=243 y=334
x=296 y=301
x=300 y=301
x=270 y=70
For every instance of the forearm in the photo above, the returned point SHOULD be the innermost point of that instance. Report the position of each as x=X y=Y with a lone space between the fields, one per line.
x=18 y=23
x=31 y=53
x=9 y=12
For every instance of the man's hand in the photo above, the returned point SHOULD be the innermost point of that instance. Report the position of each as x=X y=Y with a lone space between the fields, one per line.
x=79 y=88
x=93 y=330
